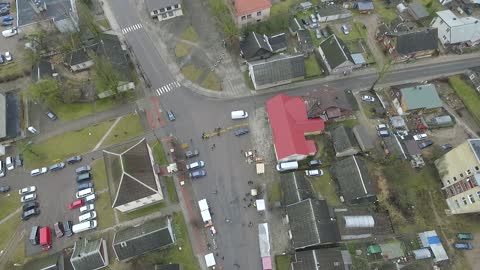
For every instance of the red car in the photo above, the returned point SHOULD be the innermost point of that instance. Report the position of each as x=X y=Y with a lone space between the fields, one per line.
x=58 y=227
x=76 y=204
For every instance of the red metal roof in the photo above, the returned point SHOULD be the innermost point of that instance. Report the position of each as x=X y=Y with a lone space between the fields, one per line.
x=289 y=123
x=245 y=7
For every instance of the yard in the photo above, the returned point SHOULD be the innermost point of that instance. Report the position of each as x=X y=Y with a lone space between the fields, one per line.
x=127 y=128
x=274 y=192
x=9 y=202
x=312 y=68
x=159 y=153
x=13 y=70
x=386 y=13
x=467 y=94
x=172 y=192
x=99 y=174
x=282 y=262
x=8 y=229
x=72 y=111
x=324 y=187
x=103 y=206
x=357 y=31
x=141 y=212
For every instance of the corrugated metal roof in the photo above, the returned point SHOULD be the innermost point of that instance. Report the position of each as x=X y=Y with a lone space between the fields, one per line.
x=421 y=97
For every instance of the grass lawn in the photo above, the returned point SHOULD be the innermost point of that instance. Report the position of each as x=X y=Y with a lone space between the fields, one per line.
x=174 y=254
x=190 y=34
x=325 y=152
x=182 y=49
x=191 y=72
x=12 y=71
x=172 y=192
x=282 y=262
x=387 y=14
x=159 y=153
x=312 y=67
x=248 y=80
x=65 y=145
x=128 y=127
x=9 y=202
x=468 y=95
x=99 y=174
x=356 y=32
x=103 y=206
x=7 y=229
x=69 y=112
x=211 y=82
x=325 y=188
x=141 y=212
x=274 y=191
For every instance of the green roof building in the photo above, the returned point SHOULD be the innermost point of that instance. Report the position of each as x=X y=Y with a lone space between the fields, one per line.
x=419 y=97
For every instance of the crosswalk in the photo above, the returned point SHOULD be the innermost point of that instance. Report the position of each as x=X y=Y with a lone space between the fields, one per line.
x=167 y=88
x=131 y=28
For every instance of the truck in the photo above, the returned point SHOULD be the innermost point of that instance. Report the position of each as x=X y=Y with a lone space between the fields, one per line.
x=46 y=238
x=205 y=212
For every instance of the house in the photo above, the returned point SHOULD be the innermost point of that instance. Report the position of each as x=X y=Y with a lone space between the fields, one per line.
x=278 y=70
x=56 y=261
x=294 y=26
x=363 y=222
x=417 y=98
x=335 y=56
x=278 y=42
x=164 y=9
x=417 y=11
x=363 y=139
x=311 y=224
x=358 y=60
x=255 y=47
x=453 y=30
x=305 y=42
x=11 y=116
x=89 y=254
x=431 y=240
x=411 y=147
x=459 y=171
x=365 y=7
x=251 y=11
x=134 y=241
x=330 y=13
x=319 y=259
x=295 y=188
x=353 y=179
x=79 y=60
x=344 y=142
x=305 y=5
x=330 y=104
x=474 y=78
x=132 y=179
x=290 y=124
x=418 y=43
x=50 y=14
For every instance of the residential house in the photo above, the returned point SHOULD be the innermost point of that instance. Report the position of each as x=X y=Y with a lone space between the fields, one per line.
x=131 y=173
x=295 y=188
x=418 y=43
x=289 y=123
x=354 y=180
x=431 y=241
x=294 y=26
x=398 y=25
x=305 y=6
x=79 y=60
x=474 y=78
x=89 y=254
x=305 y=42
x=164 y=9
x=278 y=42
x=330 y=13
x=459 y=171
x=311 y=224
x=335 y=56
x=330 y=104
x=134 y=241
x=417 y=11
x=11 y=116
x=47 y=14
x=417 y=99
x=255 y=47
x=323 y=258
x=365 y=7
x=278 y=70
x=453 y=30
x=363 y=139
x=251 y=11
x=344 y=142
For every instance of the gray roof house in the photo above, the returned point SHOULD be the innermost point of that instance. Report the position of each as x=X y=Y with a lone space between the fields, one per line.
x=305 y=42
x=353 y=179
x=311 y=224
x=278 y=42
x=335 y=56
x=278 y=70
x=140 y=239
x=344 y=142
x=131 y=176
x=56 y=261
x=89 y=254
x=79 y=60
x=60 y=13
x=474 y=78
x=294 y=26
x=417 y=11
x=419 y=97
x=295 y=188
x=322 y=259
x=164 y=9
x=456 y=30
x=363 y=139
x=418 y=43
x=255 y=47
x=3 y=116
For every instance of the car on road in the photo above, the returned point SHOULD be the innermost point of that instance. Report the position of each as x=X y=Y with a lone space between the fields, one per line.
x=30 y=213
x=447 y=146
x=83 y=169
x=32 y=130
x=170 y=115
x=197 y=174
x=87 y=208
x=419 y=137
x=191 y=153
x=464 y=236
x=345 y=30
x=88 y=216
x=38 y=171
x=28 y=197
x=19 y=160
x=59 y=231
x=67 y=226
x=196 y=165
x=27 y=190
x=368 y=98
x=463 y=246
x=314 y=173
x=314 y=163
x=8 y=56
x=57 y=167
x=74 y=159
x=4 y=188
x=29 y=206
x=10 y=164
x=9 y=32
x=241 y=131
x=425 y=144
x=76 y=204
x=51 y=116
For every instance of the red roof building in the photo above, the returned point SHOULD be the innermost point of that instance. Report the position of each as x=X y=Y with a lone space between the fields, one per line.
x=290 y=124
x=251 y=11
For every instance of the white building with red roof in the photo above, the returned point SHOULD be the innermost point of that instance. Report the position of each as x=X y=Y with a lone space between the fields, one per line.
x=251 y=11
x=290 y=124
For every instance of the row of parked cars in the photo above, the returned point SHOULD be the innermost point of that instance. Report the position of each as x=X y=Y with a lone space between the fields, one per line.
x=421 y=138
x=56 y=167
x=43 y=235
x=30 y=205
x=195 y=167
x=464 y=245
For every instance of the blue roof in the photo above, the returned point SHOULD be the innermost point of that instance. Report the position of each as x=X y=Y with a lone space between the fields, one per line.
x=366 y=5
x=433 y=240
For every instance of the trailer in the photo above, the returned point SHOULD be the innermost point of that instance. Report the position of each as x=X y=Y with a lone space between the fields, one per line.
x=205 y=212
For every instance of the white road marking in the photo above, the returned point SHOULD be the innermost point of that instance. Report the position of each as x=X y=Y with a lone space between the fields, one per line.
x=167 y=88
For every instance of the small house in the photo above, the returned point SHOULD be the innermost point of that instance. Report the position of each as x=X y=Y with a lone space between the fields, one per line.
x=365 y=7
x=330 y=13
x=417 y=99
x=417 y=11
x=344 y=142
x=335 y=56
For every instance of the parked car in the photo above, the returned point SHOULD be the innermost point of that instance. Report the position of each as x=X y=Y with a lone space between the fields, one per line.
x=318 y=34
x=19 y=160
x=9 y=32
x=30 y=213
x=381 y=126
x=314 y=25
x=463 y=245
x=171 y=116
x=465 y=236
x=241 y=131
x=425 y=144
x=368 y=98
x=51 y=115
x=88 y=216
x=468 y=10
x=8 y=56
x=30 y=205
x=90 y=198
x=2 y=59
x=59 y=231
x=324 y=32
x=7 y=19
x=83 y=186
x=57 y=167
x=87 y=208
x=4 y=188
x=314 y=163
x=2 y=169
x=7 y=23
x=345 y=30
x=4 y=12
x=39 y=171
x=32 y=130
x=10 y=163
x=74 y=159
x=305 y=22
x=195 y=165
x=197 y=174
x=447 y=146
x=191 y=153
x=314 y=173
x=27 y=190
x=419 y=137
x=28 y=197
x=76 y=204
x=313 y=18
x=67 y=226
x=83 y=169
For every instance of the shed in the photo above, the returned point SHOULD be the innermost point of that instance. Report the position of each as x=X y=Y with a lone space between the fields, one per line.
x=423 y=253
x=344 y=142
x=412 y=147
x=365 y=6
x=401 y=8
x=442 y=120
x=358 y=59
x=418 y=11
x=374 y=249
x=359 y=222
x=210 y=260
x=306 y=5
x=430 y=239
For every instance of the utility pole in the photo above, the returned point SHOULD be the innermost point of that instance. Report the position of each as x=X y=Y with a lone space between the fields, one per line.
x=385 y=68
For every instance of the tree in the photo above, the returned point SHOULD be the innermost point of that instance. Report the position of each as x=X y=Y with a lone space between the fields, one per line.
x=87 y=20
x=224 y=19
x=105 y=76
x=45 y=91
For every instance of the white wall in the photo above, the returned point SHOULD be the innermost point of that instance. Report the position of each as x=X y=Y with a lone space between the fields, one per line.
x=135 y=205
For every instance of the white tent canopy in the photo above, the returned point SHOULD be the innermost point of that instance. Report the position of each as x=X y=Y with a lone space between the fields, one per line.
x=210 y=260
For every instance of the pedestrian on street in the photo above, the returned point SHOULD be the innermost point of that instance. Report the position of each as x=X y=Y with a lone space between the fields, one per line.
x=213 y=145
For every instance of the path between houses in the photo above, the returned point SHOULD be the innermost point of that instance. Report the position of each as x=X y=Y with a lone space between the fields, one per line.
x=107 y=133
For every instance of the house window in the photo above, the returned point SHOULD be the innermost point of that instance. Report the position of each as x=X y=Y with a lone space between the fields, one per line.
x=169 y=8
x=448 y=30
x=448 y=182
x=259 y=13
x=477 y=168
x=123 y=244
x=469 y=172
x=155 y=12
x=454 y=178
x=461 y=175
x=456 y=202
x=464 y=201
x=164 y=15
x=470 y=197
x=176 y=6
x=249 y=16
x=243 y=18
x=441 y=22
x=478 y=194
x=170 y=14
x=162 y=10
x=444 y=37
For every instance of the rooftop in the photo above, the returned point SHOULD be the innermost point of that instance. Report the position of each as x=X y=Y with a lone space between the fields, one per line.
x=254 y=42
x=421 y=97
x=335 y=51
x=158 y=4
x=245 y=7
x=322 y=259
x=353 y=179
x=295 y=187
x=55 y=9
x=418 y=10
x=365 y=5
x=344 y=141
x=88 y=254
x=363 y=139
x=277 y=69
x=3 y=116
x=417 y=40
x=432 y=240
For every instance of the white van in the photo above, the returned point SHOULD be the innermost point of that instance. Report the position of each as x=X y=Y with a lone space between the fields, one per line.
x=10 y=163
x=239 y=115
x=90 y=198
x=2 y=169
x=84 y=193
x=88 y=216
x=84 y=226
x=287 y=166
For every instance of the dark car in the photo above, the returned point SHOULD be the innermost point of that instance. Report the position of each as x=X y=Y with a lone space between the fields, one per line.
x=18 y=161
x=7 y=23
x=67 y=226
x=198 y=174
x=468 y=10
x=4 y=188
x=324 y=32
x=29 y=206
x=241 y=131
x=2 y=59
x=171 y=116
x=51 y=116
x=447 y=146
x=84 y=186
x=191 y=153
x=4 y=11
x=57 y=167
x=305 y=22
x=314 y=163
x=463 y=245
x=83 y=169
x=30 y=213
x=74 y=159
x=59 y=231
x=425 y=144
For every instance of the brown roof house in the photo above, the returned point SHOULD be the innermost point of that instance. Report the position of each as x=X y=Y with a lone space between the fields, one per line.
x=131 y=176
x=330 y=104
x=413 y=44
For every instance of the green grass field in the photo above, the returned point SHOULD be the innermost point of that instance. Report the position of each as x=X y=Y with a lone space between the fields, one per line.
x=325 y=188
x=99 y=174
x=182 y=49
x=172 y=192
x=211 y=82
x=103 y=206
x=312 y=67
x=127 y=128
x=9 y=203
x=7 y=229
x=159 y=153
x=69 y=112
x=282 y=262
x=467 y=94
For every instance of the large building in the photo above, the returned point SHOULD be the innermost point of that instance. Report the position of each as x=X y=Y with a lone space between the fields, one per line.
x=459 y=170
x=50 y=14
x=454 y=30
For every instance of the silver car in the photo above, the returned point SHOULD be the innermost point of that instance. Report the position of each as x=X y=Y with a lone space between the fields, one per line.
x=196 y=165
